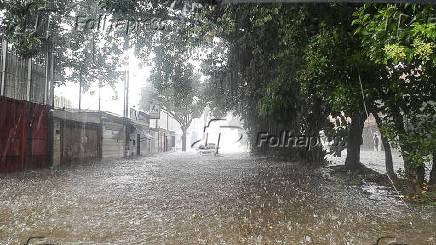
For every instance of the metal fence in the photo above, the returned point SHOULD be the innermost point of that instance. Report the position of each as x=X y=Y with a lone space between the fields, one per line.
x=17 y=82
x=23 y=135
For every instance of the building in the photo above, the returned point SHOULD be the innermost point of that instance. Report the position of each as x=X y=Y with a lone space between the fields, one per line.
x=140 y=137
x=76 y=137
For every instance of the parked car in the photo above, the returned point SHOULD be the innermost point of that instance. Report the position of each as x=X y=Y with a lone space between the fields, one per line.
x=207 y=149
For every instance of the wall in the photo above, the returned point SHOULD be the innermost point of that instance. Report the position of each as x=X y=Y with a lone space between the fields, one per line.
x=145 y=146
x=162 y=140
x=76 y=137
x=23 y=135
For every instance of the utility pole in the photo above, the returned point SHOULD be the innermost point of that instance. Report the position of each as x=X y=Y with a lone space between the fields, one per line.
x=126 y=98
x=156 y=126
x=50 y=102
x=47 y=79
x=80 y=90
x=126 y=94
x=47 y=61
x=52 y=78
x=29 y=79
x=99 y=96
x=4 y=61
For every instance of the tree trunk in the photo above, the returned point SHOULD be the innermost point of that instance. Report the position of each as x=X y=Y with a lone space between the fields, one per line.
x=183 y=139
x=352 y=161
x=420 y=175
x=389 y=163
x=433 y=171
x=388 y=153
x=409 y=168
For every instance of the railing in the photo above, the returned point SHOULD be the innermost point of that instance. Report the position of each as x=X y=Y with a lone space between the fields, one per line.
x=18 y=81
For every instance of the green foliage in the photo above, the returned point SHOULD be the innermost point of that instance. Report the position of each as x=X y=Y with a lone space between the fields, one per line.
x=421 y=133
x=402 y=37
x=36 y=27
x=397 y=33
x=18 y=24
x=328 y=72
x=175 y=81
x=276 y=62
x=88 y=54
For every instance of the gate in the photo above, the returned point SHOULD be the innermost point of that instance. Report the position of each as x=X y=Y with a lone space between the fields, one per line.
x=39 y=129
x=23 y=135
x=79 y=141
x=13 y=125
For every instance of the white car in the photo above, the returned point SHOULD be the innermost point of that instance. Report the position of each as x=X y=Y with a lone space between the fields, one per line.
x=208 y=149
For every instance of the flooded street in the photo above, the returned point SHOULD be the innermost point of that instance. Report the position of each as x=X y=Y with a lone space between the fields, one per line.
x=189 y=199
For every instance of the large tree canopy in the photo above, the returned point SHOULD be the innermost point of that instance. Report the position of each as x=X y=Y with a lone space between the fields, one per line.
x=290 y=66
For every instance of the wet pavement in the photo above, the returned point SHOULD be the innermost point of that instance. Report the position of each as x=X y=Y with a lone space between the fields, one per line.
x=189 y=199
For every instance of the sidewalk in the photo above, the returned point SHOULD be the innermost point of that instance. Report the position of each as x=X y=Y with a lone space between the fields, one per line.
x=375 y=160
x=372 y=159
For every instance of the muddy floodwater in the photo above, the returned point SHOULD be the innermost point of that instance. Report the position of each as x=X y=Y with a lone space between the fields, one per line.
x=189 y=199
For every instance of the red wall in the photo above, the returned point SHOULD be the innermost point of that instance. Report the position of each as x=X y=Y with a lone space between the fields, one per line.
x=16 y=118
x=39 y=136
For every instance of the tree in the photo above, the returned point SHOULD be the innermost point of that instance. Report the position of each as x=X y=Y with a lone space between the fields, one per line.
x=402 y=38
x=433 y=170
x=26 y=24
x=333 y=72
x=252 y=69
x=177 y=85
x=93 y=55
x=389 y=164
x=37 y=27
